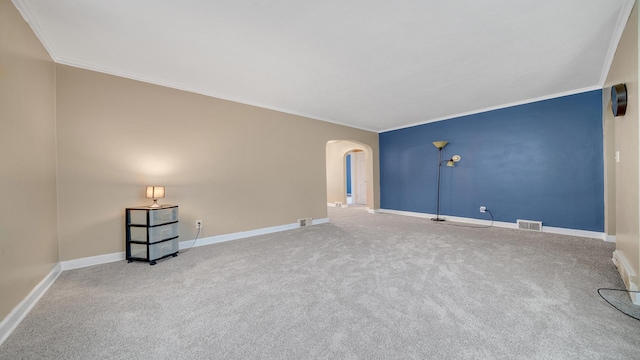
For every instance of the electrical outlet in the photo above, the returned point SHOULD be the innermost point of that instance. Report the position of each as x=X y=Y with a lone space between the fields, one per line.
x=483 y=209
x=198 y=224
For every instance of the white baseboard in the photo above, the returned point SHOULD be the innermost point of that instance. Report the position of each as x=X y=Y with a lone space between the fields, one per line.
x=610 y=238
x=575 y=232
x=18 y=313
x=319 y=221
x=92 y=260
x=627 y=274
x=345 y=206
x=244 y=234
x=546 y=229
x=338 y=204
x=451 y=218
x=21 y=310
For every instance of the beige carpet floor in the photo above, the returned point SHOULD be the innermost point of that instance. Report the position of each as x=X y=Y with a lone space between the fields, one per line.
x=363 y=286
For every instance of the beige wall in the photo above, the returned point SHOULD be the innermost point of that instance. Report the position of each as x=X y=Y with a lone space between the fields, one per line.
x=28 y=223
x=234 y=166
x=336 y=173
x=624 y=69
x=609 y=147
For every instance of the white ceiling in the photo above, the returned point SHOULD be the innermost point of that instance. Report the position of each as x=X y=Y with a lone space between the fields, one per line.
x=375 y=64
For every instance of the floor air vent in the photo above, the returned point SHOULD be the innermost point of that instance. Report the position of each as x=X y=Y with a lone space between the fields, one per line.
x=305 y=222
x=529 y=225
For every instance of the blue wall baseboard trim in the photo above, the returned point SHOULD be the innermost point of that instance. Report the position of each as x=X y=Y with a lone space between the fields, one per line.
x=500 y=224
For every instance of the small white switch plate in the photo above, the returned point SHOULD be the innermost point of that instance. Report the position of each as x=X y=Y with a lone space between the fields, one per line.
x=617 y=156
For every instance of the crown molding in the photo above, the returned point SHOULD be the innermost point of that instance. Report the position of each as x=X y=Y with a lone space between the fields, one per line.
x=498 y=107
x=623 y=17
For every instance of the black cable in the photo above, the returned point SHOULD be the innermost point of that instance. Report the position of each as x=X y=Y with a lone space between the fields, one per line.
x=609 y=302
x=194 y=242
x=469 y=226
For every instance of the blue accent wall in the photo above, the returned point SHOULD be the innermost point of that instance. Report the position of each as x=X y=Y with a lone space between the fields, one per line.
x=539 y=161
x=348 y=171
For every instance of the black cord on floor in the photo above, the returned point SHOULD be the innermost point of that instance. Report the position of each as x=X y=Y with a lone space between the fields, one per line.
x=193 y=243
x=470 y=226
x=623 y=290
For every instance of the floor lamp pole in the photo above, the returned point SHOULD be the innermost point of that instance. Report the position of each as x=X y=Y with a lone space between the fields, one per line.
x=437 y=218
x=450 y=162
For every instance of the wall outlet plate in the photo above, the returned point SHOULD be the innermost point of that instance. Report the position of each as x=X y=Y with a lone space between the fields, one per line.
x=483 y=209
x=198 y=224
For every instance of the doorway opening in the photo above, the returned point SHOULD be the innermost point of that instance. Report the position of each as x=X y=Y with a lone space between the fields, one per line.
x=350 y=175
x=356 y=178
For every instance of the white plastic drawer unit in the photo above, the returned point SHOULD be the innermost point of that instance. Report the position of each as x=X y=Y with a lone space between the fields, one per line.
x=153 y=234
x=156 y=251
x=152 y=217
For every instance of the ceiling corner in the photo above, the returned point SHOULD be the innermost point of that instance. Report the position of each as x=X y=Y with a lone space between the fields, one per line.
x=28 y=16
x=623 y=17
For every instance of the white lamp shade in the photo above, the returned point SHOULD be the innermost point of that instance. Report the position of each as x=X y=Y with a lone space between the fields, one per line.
x=440 y=144
x=155 y=192
x=453 y=161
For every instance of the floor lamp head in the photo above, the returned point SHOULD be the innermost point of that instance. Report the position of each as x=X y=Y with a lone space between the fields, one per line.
x=454 y=159
x=440 y=144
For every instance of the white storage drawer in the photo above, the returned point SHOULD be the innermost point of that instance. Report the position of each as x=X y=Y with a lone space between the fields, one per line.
x=156 y=216
x=152 y=232
x=156 y=233
x=156 y=251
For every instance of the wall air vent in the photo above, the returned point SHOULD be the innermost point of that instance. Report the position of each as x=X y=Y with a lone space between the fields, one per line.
x=305 y=222
x=529 y=225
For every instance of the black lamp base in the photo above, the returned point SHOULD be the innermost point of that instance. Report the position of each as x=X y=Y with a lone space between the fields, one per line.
x=437 y=219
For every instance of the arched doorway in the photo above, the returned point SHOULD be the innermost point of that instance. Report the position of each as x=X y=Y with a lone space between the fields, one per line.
x=362 y=173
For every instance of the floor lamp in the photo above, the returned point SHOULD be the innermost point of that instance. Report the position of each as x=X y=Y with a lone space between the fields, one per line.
x=451 y=163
